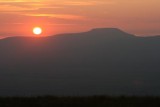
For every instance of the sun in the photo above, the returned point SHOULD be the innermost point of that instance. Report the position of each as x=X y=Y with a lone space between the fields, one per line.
x=37 y=30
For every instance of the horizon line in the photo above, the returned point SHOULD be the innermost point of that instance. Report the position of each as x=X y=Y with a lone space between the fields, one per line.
x=92 y=29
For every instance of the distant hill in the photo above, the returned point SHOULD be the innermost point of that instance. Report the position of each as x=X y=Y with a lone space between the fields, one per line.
x=101 y=61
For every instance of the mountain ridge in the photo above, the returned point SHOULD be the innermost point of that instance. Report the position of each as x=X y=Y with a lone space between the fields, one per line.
x=80 y=64
x=108 y=31
x=94 y=30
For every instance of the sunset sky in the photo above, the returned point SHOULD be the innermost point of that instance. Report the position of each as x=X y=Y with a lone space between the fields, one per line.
x=18 y=17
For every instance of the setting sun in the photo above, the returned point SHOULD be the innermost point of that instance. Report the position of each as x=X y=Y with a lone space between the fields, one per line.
x=37 y=30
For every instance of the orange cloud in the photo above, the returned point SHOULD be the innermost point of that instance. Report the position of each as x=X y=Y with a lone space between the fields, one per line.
x=62 y=16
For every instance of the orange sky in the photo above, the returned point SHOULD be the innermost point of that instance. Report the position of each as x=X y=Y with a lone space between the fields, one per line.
x=18 y=17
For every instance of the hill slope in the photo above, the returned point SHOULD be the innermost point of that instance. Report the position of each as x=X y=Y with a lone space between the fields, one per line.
x=100 y=61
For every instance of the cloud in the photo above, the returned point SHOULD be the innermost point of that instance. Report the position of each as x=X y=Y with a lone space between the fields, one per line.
x=62 y=16
x=22 y=5
x=38 y=8
x=9 y=5
x=79 y=3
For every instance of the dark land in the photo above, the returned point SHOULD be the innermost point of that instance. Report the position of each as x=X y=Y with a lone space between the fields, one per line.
x=104 y=61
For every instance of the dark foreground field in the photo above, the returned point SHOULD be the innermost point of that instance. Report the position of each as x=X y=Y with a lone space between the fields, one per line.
x=94 y=101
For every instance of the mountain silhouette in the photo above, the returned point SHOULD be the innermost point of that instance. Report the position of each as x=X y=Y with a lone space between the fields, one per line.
x=101 y=61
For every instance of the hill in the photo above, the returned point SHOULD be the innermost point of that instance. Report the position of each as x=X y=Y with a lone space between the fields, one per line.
x=97 y=62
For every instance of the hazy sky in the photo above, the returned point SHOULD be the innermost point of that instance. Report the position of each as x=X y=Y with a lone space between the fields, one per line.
x=18 y=17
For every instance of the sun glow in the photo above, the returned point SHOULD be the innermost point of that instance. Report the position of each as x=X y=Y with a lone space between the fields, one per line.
x=37 y=30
